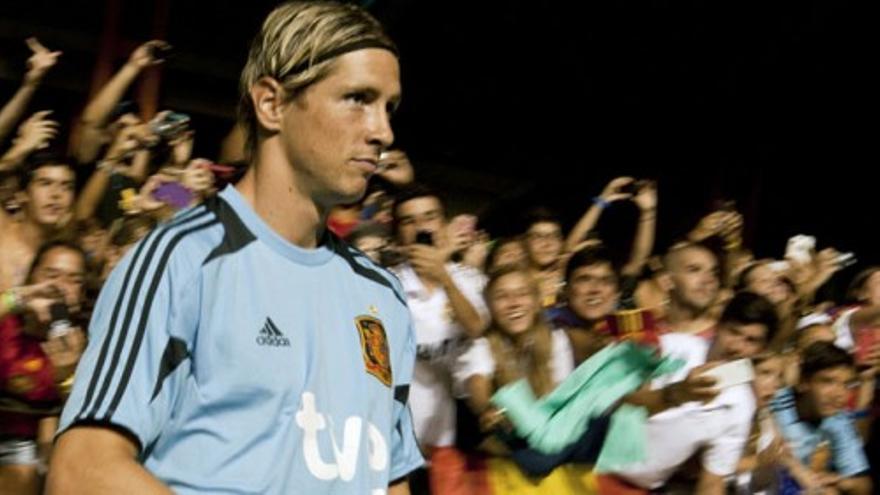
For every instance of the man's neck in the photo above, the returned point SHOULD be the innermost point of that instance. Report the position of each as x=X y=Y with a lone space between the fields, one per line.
x=31 y=233
x=271 y=188
x=684 y=318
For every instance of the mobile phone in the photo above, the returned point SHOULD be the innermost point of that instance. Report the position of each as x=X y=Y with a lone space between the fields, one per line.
x=173 y=194
x=220 y=169
x=846 y=260
x=425 y=238
x=161 y=52
x=636 y=186
x=171 y=125
x=464 y=224
x=60 y=325
x=800 y=248
x=724 y=205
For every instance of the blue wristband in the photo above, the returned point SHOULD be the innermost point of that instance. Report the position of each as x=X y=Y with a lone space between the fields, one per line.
x=601 y=203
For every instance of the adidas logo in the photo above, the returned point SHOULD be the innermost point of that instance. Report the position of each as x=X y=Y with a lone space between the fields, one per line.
x=271 y=336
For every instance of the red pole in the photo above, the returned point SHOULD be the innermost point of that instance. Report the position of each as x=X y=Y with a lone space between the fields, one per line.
x=151 y=81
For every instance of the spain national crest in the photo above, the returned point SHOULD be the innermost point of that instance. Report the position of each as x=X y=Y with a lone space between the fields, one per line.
x=374 y=348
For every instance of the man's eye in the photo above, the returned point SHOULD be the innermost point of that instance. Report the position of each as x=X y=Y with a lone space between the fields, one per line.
x=359 y=97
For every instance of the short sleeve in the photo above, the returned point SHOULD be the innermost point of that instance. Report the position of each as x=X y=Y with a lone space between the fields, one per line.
x=405 y=453
x=475 y=360
x=136 y=361
x=847 y=454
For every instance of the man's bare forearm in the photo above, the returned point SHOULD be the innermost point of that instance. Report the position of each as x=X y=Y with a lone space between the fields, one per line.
x=12 y=112
x=399 y=488
x=464 y=311
x=98 y=461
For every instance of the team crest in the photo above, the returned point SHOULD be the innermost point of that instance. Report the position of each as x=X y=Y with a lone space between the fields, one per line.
x=374 y=348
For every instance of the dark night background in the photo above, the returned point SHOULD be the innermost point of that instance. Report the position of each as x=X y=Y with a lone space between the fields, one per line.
x=509 y=104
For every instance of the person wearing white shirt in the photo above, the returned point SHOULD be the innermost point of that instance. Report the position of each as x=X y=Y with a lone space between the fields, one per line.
x=689 y=415
x=447 y=307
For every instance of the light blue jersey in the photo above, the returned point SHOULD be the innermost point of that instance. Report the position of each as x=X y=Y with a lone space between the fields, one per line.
x=847 y=454
x=243 y=364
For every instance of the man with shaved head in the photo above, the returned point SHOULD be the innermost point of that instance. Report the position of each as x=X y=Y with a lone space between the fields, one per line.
x=694 y=282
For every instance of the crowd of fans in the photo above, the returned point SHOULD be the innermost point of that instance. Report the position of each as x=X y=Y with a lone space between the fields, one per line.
x=489 y=314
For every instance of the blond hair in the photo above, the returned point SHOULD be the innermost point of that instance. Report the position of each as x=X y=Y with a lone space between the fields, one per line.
x=297 y=46
x=529 y=360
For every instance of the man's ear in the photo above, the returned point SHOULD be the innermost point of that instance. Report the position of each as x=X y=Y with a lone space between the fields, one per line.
x=267 y=96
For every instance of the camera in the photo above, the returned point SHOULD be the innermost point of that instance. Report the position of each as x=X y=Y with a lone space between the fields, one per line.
x=170 y=125
x=161 y=52
x=800 y=248
x=425 y=238
x=635 y=186
x=845 y=260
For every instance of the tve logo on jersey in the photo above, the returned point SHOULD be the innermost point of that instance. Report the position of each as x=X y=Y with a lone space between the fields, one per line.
x=345 y=454
x=270 y=336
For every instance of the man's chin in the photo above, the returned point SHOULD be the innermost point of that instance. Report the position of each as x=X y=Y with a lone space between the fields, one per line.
x=352 y=196
x=48 y=222
x=342 y=196
x=546 y=264
x=827 y=413
x=702 y=306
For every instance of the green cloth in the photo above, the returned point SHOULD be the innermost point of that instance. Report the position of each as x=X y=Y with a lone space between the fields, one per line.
x=560 y=418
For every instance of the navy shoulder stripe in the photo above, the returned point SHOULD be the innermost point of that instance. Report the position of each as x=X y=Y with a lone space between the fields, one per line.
x=145 y=314
x=140 y=257
x=348 y=254
x=235 y=234
x=197 y=219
